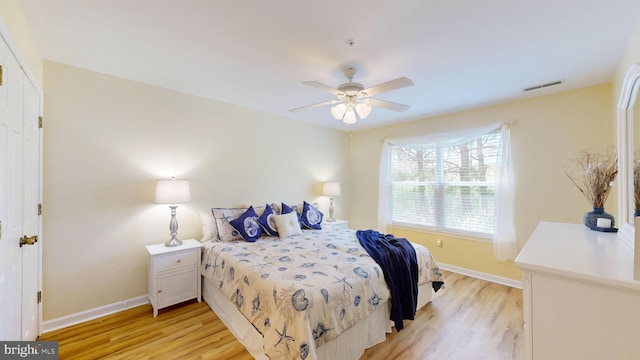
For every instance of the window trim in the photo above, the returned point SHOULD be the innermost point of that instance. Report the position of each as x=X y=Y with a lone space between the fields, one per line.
x=465 y=235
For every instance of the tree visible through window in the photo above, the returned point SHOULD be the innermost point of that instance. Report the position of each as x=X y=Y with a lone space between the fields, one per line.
x=448 y=187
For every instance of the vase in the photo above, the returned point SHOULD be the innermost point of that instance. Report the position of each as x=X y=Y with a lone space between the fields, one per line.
x=590 y=219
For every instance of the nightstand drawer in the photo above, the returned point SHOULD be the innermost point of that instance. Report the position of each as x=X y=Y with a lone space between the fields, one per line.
x=176 y=261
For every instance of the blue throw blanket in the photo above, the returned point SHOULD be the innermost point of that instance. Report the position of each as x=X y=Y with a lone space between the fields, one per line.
x=397 y=258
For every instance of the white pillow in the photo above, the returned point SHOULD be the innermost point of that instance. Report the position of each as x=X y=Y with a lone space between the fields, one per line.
x=287 y=224
x=209 y=227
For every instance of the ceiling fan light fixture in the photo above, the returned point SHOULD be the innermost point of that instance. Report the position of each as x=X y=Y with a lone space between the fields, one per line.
x=363 y=110
x=349 y=117
x=351 y=88
x=338 y=111
x=354 y=102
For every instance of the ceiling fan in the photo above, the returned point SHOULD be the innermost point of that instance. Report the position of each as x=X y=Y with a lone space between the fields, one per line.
x=354 y=99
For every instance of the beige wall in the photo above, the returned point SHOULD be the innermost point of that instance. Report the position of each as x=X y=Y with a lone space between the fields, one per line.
x=13 y=19
x=546 y=132
x=108 y=139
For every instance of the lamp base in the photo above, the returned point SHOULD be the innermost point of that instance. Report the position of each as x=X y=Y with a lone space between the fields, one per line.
x=173 y=242
x=331 y=218
x=173 y=228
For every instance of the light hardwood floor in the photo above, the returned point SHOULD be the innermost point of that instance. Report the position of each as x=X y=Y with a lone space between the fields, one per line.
x=469 y=319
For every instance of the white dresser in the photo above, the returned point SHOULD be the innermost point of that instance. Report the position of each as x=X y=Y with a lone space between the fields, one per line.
x=579 y=297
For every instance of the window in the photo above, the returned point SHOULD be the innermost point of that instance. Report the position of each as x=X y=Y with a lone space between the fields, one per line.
x=449 y=187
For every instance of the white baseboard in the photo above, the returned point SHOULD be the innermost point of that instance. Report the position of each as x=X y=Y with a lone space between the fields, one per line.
x=94 y=313
x=83 y=316
x=480 y=275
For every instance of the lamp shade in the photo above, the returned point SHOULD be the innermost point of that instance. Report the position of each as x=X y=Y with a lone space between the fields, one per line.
x=363 y=110
x=338 y=111
x=349 y=117
x=347 y=113
x=331 y=188
x=172 y=192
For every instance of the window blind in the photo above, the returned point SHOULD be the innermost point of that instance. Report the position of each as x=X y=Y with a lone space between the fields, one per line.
x=446 y=186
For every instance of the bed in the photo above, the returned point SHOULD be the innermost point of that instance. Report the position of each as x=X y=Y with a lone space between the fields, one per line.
x=315 y=295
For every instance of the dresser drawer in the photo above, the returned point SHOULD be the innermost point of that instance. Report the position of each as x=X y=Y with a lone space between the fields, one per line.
x=176 y=261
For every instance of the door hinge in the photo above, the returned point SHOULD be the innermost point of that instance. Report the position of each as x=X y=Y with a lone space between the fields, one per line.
x=39 y=296
x=0 y=75
x=39 y=209
x=40 y=122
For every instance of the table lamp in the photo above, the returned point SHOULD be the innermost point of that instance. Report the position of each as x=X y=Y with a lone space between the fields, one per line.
x=173 y=192
x=331 y=189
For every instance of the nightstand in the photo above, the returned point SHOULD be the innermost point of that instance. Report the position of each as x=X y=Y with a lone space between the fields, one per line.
x=174 y=274
x=338 y=224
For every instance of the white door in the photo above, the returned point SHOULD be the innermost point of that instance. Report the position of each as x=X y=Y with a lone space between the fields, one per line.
x=19 y=196
x=30 y=218
x=11 y=128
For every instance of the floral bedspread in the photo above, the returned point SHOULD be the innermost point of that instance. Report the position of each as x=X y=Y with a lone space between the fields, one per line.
x=304 y=289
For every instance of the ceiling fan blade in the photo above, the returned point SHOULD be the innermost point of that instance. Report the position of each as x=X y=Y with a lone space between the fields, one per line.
x=386 y=104
x=388 y=86
x=323 y=87
x=329 y=102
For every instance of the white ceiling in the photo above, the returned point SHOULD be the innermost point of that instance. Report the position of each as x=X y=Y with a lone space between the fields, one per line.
x=460 y=54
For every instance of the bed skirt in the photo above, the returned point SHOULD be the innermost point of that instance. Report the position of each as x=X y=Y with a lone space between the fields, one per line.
x=350 y=345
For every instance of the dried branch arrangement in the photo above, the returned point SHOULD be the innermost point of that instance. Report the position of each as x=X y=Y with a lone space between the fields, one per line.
x=593 y=174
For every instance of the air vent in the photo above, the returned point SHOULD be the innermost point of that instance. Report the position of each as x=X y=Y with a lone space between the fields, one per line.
x=544 y=85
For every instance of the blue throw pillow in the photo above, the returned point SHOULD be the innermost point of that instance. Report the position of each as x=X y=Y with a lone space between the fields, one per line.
x=266 y=221
x=247 y=225
x=311 y=217
x=285 y=209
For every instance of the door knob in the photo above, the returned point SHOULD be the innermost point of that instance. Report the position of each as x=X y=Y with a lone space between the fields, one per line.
x=28 y=240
